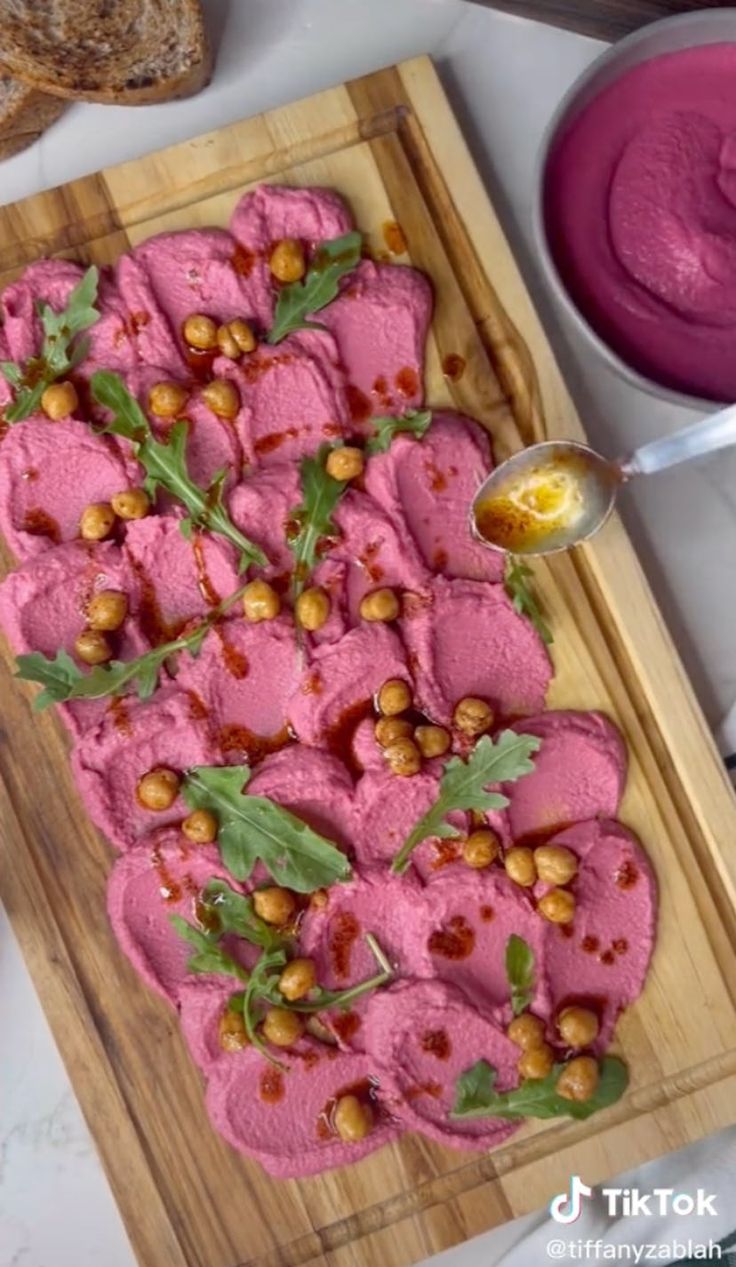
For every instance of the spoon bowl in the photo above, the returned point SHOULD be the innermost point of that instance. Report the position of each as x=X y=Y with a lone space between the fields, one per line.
x=545 y=499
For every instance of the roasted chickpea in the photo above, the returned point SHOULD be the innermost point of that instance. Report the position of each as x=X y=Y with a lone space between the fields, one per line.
x=432 y=741
x=166 y=400
x=297 y=979
x=231 y=1031
x=379 y=605
x=243 y=335
x=158 y=789
x=107 y=610
x=480 y=848
x=579 y=1079
x=526 y=1031
x=473 y=716
x=274 y=905
x=226 y=343
x=394 y=697
x=403 y=757
x=282 y=1027
x=555 y=864
x=287 y=262
x=97 y=521
x=221 y=396
x=260 y=602
x=345 y=463
x=519 y=864
x=312 y=608
x=353 y=1120
x=389 y=730
x=200 y=332
x=200 y=827
x=132 y=503
x=59 y=400
x=92 y=647
x=536 y=1062
x=558 y=906
x=578 y=1026
x=319 y=899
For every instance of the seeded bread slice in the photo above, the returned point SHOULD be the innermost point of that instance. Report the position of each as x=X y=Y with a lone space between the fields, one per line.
x=24 y=114
x=124 y=52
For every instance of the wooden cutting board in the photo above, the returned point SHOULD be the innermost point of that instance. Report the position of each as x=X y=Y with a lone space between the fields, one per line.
x=390 y=144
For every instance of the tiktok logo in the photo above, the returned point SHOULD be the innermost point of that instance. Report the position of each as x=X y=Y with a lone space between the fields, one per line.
x=567 y=1207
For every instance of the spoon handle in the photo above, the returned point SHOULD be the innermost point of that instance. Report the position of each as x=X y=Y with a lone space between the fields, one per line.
x=715 y=432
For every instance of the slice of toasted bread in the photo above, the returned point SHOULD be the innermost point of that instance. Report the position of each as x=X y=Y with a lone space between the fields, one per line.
x=24 y=114
x=124 y=52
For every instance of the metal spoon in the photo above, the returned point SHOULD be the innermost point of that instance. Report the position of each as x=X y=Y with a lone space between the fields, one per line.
x=585 y=483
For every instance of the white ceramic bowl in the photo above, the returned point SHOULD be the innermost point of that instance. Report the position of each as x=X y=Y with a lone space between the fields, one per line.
x=687 y=30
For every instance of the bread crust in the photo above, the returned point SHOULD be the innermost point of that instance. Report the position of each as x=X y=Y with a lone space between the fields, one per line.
x=25 y=113
x=80 y=72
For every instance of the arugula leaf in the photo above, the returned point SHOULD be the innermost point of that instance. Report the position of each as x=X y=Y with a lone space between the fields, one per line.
x=253 y=827
x=165 y=465
x=520 y=972
x=209 y=956
x=61 y=350
x=320 y=495
x=516 y=584
x=476 y=1097
x=416 y=422
x=63 y=680
x=233 y=913
x=463 y=786
x=320 y=286
x=263 y=978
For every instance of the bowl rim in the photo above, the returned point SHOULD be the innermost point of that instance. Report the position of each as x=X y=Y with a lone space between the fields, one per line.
x=608 y=58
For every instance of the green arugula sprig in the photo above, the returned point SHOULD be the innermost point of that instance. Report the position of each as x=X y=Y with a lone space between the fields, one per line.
x=231 y=912
x=520 y=973
x=299 y=300
x=61 y=350
x=210 y=957
x=254 y=827
x=312 y=518
x=517 y=585
x=464 y=782
x=414 y=422
x=263 y=989
x=165 y=465
x=63 y=680
x=537 y=1097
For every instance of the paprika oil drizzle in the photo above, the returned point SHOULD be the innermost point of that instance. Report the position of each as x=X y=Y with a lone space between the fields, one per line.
x=455 y=940
x=344 y=932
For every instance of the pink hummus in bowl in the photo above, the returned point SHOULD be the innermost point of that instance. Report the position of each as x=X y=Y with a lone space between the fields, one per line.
x=636 y=218
x=359 y=938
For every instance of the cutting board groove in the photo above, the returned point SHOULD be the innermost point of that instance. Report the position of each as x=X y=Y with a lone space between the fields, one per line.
x=390 y=144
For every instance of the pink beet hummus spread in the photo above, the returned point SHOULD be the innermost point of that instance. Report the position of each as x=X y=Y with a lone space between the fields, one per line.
x=640 y=206
x=298 y=706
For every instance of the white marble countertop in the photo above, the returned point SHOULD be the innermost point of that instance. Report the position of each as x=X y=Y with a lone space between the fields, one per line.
x=505 y=76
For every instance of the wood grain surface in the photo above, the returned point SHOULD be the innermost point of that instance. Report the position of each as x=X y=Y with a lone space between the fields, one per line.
x=390 y=145
x=605 y=19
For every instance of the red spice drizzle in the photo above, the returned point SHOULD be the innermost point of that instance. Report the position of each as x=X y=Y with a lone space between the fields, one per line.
x=204 y=583
x=235 y=661
x=171 y=890
x=608 y=957
x=487 y=913
x=269 y=443
x=243 y=260
x=627 y=874
x=393 y=236
x=39 y=524
x=436 y=1042
x=437 y=478
x=407 y=381
x=339 y=736
x=198 y=710
x=455 y=940
x=367 y=560
x=620 y=946
x=118 y=710
x=313 y=683
x=590 y=944
x=453 y=366
x=423 y=1088
x=344 y=931
x=200 y=361
x=235 y=738
x=271 y=1087
x=446 y=851
x=345 y=1025
x=358 y=403
x=153 y=624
